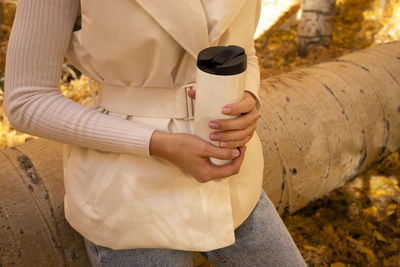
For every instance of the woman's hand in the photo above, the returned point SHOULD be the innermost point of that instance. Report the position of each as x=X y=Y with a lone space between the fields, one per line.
x=191 y=154
x=236 y=132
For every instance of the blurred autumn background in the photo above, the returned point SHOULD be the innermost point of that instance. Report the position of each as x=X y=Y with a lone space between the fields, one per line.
x=356 y=225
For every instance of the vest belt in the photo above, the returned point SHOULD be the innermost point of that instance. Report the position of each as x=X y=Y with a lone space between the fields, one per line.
x=152 y=102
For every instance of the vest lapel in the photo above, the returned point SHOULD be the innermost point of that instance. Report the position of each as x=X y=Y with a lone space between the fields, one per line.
x=194 y=24
x=184 y=20
x=219 y=15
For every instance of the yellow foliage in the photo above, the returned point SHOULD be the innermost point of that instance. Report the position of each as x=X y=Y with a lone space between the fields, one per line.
x=78 y=91
x=379 y=236
x=393 y=261
x=391 y=163
x=371 y=212
x=9 y=8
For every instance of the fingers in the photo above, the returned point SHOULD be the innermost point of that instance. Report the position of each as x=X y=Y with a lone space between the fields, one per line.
x=237 y=123
x=227 y=136
x=212 y=151
x=235 y=143
x=195 y=162
x=213 y=172
x=231 y=168
x=192 y=93
x=234 y=132
x=237 y=163
x=247 y=104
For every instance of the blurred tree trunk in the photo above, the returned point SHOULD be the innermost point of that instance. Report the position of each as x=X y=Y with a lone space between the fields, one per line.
x=315 y=26
x=319 y=127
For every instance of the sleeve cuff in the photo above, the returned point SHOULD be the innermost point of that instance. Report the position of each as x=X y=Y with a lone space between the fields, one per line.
x=257 y=98
x=147 y=138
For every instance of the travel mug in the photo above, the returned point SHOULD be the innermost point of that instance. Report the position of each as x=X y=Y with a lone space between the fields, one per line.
x=220 y=81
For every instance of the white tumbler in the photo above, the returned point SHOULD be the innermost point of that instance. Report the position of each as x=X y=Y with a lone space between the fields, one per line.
x=220 y=81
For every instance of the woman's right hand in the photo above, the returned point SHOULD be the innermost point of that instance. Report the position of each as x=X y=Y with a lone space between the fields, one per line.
x=191 y=154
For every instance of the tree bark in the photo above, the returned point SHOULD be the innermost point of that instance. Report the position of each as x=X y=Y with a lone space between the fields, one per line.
x=33 y=229
x=315 y=26
x=323 y=125
x=319 y=128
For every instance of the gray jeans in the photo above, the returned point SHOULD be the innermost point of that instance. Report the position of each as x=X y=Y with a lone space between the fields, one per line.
x=262 y=240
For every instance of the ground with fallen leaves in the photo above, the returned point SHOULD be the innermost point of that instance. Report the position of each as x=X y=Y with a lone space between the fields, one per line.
x=356 y=225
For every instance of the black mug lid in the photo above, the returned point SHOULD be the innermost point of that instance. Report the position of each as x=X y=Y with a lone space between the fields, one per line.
x=222 y=60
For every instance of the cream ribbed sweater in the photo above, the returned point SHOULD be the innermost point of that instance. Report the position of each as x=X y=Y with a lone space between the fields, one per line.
x=39 y=39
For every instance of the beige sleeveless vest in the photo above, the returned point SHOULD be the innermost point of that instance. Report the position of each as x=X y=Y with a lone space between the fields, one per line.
x=142 y=54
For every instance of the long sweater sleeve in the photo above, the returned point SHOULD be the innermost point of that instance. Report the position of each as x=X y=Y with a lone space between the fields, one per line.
x=252 y=82
x=39 y=39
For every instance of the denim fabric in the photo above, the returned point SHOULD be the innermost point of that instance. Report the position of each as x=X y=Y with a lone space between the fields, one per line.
x=262 y=240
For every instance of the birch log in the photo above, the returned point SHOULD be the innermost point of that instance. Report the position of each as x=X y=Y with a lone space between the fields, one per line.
x=319 y=127
x=323 y=125
x=315 y=26
x=33 y=229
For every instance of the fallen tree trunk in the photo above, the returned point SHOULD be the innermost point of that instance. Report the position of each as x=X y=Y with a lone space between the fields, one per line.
x=33 y=229
x=319 y=127
x=323 y=125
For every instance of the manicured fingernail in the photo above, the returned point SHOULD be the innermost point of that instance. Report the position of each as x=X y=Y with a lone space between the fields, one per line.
x=227 y=110
x=214 y=125
x=235 y=153
x=223 y=144
x=214 y=137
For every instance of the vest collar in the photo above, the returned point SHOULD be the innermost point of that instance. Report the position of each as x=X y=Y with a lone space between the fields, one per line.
x=194 y=24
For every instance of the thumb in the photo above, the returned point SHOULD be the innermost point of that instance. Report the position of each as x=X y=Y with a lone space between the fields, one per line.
x=192 y=93
x=221 y=153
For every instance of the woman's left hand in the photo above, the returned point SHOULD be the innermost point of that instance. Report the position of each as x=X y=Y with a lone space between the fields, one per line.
x=235 y=132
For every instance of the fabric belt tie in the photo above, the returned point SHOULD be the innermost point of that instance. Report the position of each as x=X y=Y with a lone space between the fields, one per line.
x=151 y=102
